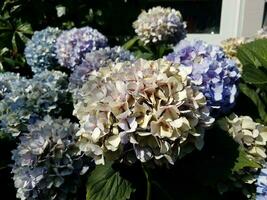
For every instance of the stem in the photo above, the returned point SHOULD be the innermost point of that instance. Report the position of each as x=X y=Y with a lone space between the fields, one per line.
x=148 y=184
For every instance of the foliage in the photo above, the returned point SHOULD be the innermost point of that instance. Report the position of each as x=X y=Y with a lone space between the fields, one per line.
x=105 y=183
x=253 y=57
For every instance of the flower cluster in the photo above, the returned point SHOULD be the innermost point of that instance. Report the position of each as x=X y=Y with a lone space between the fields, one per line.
x=262 y=185
x=210 y=70
x=97 y=59
x=250 y=135
x=146 y=110
x=9 y=82
x=160 y=25
x=32 y=99
x=47 y=164
x=40 y=50
x=72 y=45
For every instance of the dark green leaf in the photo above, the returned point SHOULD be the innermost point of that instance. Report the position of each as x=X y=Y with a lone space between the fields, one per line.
x=254 y=53
x=130 y=43
x=253 y=95
x=243 y=162
x=105 y=183
x=254 y=75
x=24 y=28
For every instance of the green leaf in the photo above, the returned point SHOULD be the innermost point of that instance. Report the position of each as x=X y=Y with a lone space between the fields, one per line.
x=254 y=75
x=24 y=28
x=254 y=53
x=253 y=95
x=243 y=161
x=105 y=183
x=130 y=43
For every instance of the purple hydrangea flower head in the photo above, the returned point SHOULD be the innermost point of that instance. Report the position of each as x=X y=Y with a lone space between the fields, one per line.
x=209 y=69
x=262 y=185
x=47 y=162
x=72 y=45
x=97 y=59
x=40 y=50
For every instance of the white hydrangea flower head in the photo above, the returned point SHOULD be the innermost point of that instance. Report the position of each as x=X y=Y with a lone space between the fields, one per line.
x=146 y=110
x=160 y=24
x=249 y=134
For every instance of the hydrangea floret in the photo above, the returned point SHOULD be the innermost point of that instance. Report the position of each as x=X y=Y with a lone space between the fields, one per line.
x=252 y=136
x=40 y=51
x=146 y=110
x=9 y=82
x=97 y=59
x=47 y=164
x=72 y=45
x=160 y=24
x=210 y=70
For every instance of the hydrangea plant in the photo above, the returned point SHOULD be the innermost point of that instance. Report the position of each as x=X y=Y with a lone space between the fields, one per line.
x=40 y=50
x=47 y=164
x=72 y=45
x=146 y=110
x=160 y=24
x=210 y=70
x=97 y=59
x=32 y=99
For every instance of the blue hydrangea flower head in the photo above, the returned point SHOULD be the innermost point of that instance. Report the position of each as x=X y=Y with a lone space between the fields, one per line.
x=209 y=69
x=32 y=99
x=262 y=185
x=96 y=59
x=47 y=163
x=40 y=50
x=72 y=45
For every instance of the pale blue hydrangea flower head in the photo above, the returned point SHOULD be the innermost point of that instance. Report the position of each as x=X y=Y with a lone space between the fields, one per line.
x=262 y=185
x=97 y=59
x=208 y=67
x=40 y=50
x=72 y=45
x=32 y=99
x=47 y=164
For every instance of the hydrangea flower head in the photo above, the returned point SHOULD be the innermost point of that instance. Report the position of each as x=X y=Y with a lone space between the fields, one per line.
x=209 y=69
x=45 y=93
x=262 y=185
x=250 y=135
x=160 y=25
x=40 y=50
x=97 y=59
x=72 y=45
x=47 y=165
x=146 y=110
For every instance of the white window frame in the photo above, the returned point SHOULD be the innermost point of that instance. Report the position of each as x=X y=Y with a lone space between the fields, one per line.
x=238 y=18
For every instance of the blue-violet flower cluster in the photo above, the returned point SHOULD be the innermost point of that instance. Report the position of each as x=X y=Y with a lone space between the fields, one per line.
x=215 y=74
x=47 y=165
x=31 y=99
x=262 y=185
x=40 y=51
x=97 y=59
x=72 y=45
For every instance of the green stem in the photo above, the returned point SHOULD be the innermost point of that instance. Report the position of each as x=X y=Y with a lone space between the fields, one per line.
x=148 y=184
